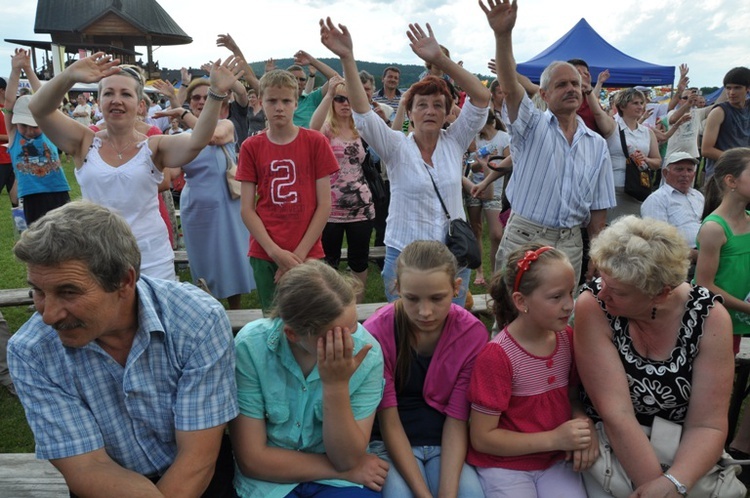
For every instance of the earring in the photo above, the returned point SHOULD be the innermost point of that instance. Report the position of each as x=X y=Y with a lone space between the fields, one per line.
x=526 y=310
x=653 y=313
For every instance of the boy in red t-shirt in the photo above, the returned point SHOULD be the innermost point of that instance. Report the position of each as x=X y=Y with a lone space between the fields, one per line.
x=286 y=188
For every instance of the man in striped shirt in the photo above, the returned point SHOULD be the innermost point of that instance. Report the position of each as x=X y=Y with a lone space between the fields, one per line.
x=562 y=173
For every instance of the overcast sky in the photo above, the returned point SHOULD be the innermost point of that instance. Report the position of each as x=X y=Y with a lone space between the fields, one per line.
x=710 y=36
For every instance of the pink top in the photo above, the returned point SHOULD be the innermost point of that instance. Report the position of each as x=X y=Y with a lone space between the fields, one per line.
x=528 y=392
x=450 y=369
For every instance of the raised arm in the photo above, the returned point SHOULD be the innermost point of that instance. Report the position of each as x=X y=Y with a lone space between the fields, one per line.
x=173 y=151
x=319 y=116
x=604 y=121
x=681 y=86
x=425 y=45
x=339 y=41
x=501 y=15
x=249 y=75
x=67 y=134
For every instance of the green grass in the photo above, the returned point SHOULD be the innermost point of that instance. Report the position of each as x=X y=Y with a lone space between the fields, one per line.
x=15 y=435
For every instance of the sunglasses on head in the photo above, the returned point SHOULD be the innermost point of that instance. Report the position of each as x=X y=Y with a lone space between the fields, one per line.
x=340 y=99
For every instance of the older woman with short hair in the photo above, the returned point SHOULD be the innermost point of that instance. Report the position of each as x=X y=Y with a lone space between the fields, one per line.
x=426 y=160
x=650 y=345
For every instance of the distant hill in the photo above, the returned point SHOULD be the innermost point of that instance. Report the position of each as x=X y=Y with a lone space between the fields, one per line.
x=409 y=72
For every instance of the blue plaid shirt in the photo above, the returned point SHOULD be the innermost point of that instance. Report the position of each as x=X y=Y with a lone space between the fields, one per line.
x=179 y=375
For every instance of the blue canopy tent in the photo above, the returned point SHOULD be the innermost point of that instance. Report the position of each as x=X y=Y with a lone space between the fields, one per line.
x=582 y=42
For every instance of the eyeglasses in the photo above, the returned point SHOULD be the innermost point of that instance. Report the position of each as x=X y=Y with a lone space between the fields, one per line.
x=341 y=99
x=198 y=98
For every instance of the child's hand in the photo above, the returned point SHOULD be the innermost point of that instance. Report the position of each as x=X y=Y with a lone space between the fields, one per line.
x=573 y=435
x=336 y=361
x=370 y=472
x=585 y=458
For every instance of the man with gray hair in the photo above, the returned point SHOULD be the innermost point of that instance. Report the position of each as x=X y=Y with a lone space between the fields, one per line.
x=562 y=173
x=676 y=201
x=127 y=381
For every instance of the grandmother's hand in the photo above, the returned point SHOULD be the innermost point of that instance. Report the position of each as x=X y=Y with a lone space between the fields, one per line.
x=661 y=487
x=224 y=75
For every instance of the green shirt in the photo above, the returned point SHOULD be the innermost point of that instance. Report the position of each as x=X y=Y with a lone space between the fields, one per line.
x=306 y=107
x=271 y=386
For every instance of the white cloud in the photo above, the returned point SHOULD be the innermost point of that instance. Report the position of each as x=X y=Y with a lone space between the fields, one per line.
x=710 y=37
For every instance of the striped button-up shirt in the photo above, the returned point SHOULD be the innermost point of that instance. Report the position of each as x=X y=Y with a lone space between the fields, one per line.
x=555 y=183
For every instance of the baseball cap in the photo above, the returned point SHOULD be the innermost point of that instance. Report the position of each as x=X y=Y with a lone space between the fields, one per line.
x=21 y=113
x=679 y=156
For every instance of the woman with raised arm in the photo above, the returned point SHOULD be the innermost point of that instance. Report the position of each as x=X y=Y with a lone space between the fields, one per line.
x=120 y=167
x=427 y=154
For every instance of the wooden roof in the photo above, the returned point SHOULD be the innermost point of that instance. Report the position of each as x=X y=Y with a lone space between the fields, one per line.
x=136 y=22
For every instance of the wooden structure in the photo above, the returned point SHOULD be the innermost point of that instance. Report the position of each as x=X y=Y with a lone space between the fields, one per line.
x=113 y=26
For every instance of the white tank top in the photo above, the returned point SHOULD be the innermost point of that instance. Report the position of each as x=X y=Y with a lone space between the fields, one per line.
x=130 y=190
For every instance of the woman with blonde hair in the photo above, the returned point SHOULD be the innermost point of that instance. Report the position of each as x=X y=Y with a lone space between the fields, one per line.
x=120 y=167
x=352 y=209
x=652 y=351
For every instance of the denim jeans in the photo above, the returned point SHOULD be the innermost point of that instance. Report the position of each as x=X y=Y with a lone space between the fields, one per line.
x=428 y=460
x=389 y=278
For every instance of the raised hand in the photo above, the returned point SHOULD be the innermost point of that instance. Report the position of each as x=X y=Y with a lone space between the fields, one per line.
x=684 y=69
x=270 y=65
x=501 y=15
x=491 y=66
x=165 y=88
x=228 y=42
x=603 y=77
x=337 y=39
x=336 y=359
x=224 y=75
x=185 y=76
x=333 y=83
x=573 y=435
x=424 y=45
x=20 y=59
x=302 y=58
x=93 y=68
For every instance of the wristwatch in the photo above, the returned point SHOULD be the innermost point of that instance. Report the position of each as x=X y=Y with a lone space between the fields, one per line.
x=680 y=487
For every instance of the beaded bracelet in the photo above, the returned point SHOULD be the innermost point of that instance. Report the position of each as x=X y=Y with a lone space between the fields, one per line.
x=216 y=96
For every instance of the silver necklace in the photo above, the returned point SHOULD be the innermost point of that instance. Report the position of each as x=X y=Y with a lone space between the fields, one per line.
x=119 y=152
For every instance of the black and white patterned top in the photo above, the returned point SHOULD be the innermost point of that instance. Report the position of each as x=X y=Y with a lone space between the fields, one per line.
x=659 y=387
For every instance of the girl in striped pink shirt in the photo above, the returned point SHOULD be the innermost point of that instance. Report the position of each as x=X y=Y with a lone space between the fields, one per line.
x=527 y=437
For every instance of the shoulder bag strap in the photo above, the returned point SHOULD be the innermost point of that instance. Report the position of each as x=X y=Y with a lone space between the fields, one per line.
x=434 y=185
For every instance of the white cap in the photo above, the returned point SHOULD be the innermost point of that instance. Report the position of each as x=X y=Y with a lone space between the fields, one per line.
x=21 y=112
x=679 y=156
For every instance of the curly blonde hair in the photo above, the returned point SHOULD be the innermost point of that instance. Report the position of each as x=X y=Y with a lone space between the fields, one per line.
x=645 y=253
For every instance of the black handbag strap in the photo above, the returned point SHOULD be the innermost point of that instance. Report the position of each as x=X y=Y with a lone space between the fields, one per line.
x=440 y=197
x=623 y=143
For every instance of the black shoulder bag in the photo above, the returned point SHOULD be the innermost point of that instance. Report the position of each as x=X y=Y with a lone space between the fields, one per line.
x=637 y=182
x=460 y=238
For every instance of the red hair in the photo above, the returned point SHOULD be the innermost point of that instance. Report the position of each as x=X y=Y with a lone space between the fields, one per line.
x=430 y=85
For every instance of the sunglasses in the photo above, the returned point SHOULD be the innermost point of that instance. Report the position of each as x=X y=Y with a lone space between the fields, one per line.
x=683 y=98
x=198 y=98
x=302 y=78
x=340 y=99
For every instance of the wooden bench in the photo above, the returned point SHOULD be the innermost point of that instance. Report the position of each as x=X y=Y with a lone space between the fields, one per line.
x=15 y=297
x=23 y=476
x=240 y=318
x=181 y=256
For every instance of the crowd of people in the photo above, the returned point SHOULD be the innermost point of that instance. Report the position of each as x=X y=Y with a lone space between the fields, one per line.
x=134 y=385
